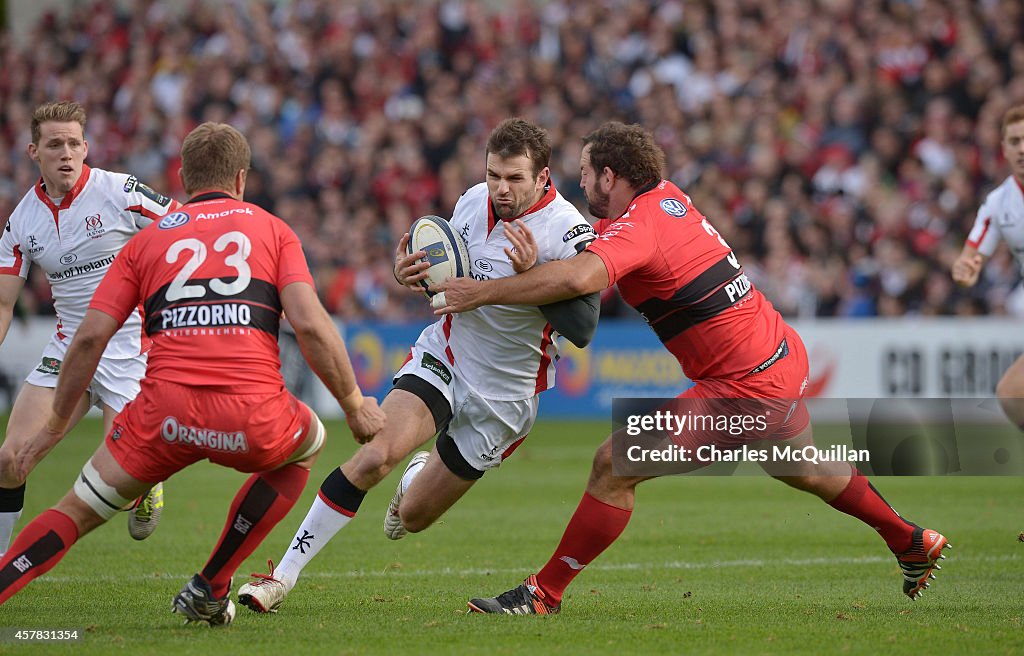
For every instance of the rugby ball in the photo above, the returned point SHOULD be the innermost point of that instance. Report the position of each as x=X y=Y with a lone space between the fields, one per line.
x=446 y=250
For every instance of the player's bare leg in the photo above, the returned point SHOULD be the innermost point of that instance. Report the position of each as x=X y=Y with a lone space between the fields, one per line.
x=103 y=489
x=1010 y=392
x=31 y=408
x=144 y=515
x=599 y=519
x=393 y=527
x=249 y=520
x=410 y=424
x=430 y=493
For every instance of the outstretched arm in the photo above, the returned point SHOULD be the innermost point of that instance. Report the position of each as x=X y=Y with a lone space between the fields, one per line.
x=968 y=266
x=325 y=352
x=76 y=372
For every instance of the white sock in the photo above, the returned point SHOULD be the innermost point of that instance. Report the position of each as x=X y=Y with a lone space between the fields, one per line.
x=411 y=474
x=320 y=525
x=8 y=520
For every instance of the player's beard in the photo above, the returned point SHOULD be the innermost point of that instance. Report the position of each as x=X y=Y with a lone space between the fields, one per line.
x=597 y=203
x=506 y=212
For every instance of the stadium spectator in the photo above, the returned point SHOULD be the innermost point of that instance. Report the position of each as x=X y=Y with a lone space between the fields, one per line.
x=744 y=359
x=214 y=277
x=71 y=223
x=734 y=92
x=473 y=380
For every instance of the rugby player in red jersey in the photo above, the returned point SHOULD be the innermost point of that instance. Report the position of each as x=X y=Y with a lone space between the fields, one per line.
x=213 y=278
x=680 y=274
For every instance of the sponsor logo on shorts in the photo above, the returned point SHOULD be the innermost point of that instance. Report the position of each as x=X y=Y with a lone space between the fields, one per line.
x=673 y=207
x=207 y=438
x=581 y=229
x=49 y=366
x=116 y=433
x=175 y=220
x=433 y=364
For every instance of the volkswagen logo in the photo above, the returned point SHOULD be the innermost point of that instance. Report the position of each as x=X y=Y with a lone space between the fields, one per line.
x=674 y=207
x=174 y=220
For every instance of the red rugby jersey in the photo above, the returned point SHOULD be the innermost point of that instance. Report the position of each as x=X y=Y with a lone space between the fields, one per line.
x=678 y=272
x=209 y=277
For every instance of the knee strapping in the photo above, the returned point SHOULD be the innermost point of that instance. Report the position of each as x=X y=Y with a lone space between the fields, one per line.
x=95 y=493
x=318 y=440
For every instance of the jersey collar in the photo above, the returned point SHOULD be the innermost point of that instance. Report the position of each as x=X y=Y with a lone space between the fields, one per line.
x=545 y=200
x=69 y=197
x=640 y=192
x=209 y=195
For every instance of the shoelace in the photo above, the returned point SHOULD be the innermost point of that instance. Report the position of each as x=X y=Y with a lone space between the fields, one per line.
x=265 y=577
x=515 y=597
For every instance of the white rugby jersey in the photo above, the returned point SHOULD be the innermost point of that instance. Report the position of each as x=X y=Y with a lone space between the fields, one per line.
x=507 y=352
x=1001 y=216
x=76 y=242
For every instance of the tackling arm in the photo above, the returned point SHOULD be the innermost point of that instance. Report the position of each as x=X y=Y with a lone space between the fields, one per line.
x=575 y=318
x=552 y=281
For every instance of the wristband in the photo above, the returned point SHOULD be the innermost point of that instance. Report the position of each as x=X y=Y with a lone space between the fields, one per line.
x=351 y=403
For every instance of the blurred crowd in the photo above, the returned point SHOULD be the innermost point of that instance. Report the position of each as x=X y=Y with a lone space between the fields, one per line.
x=842 y=147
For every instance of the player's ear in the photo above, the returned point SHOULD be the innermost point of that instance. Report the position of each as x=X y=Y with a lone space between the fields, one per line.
x=544 y=176
x=85 y=144
x=33 y=152
x=240 y=178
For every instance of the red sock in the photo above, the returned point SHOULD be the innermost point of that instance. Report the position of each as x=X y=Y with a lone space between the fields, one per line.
x=861 y=500
x=592 y=529
x=262 y=502
x=39 y=547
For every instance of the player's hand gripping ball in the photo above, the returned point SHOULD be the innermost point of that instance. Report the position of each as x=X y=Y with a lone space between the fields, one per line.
x=446 y=251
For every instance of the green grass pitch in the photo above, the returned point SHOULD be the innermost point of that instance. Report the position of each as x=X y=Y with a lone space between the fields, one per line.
x=726 y=565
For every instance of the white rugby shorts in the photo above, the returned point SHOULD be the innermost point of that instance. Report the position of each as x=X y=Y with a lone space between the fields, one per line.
x=482 y=429
x=115 y=383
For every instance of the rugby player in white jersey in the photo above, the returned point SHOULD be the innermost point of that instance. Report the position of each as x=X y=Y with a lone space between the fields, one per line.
x=72 y=223
x=1001 y=216
x=472 y=379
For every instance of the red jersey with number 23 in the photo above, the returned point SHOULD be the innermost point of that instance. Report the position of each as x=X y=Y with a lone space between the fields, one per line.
x=680 y=274
x=209 y=277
